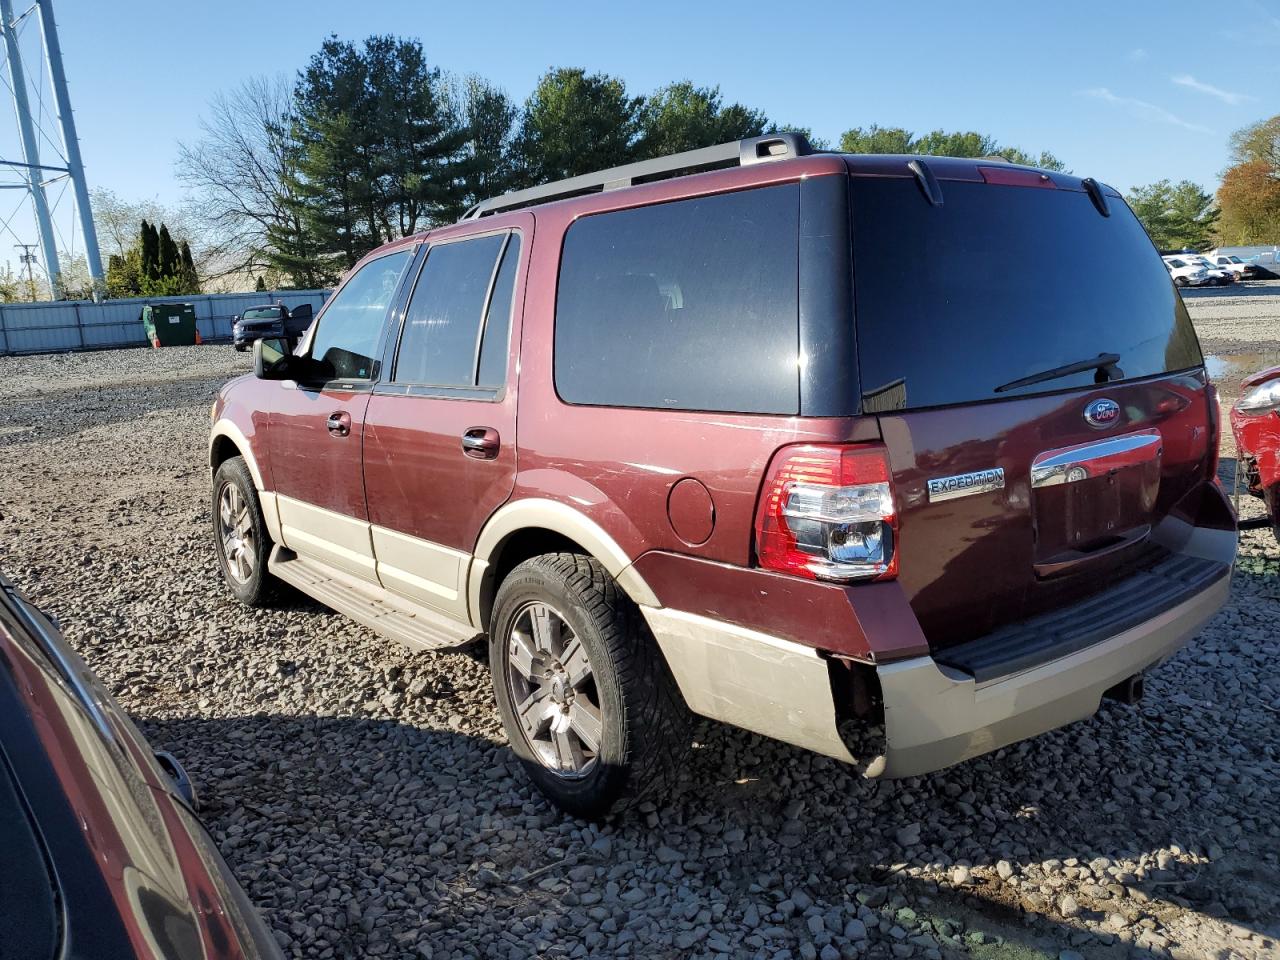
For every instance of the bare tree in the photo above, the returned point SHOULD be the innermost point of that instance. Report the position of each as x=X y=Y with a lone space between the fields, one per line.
x=238 y=174
x=117 y=221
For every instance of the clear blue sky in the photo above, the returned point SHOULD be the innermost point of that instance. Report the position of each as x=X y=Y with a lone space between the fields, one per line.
x=1127 y=93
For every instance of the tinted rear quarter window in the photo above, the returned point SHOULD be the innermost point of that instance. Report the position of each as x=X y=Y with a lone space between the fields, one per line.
x=999 y=283
x=497 y=325
x=687 y=305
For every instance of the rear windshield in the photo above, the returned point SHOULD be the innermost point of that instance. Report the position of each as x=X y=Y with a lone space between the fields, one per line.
x=1000 y=283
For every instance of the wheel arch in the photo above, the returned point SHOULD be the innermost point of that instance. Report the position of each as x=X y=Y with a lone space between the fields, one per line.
x=528 y=528
x=227 y=440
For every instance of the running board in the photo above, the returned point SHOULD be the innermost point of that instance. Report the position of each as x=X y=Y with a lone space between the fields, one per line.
x=396 y=618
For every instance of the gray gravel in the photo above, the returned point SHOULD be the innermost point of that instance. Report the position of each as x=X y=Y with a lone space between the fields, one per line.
x=367 y=800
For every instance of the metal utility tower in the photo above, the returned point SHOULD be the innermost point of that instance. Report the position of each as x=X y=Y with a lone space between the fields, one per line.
x=31 y=166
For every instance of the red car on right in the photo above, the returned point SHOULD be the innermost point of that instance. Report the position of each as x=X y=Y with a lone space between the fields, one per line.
x=1255 y=421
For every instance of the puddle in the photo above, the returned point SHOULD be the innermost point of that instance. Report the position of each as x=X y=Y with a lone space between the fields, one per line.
x=1231 y=368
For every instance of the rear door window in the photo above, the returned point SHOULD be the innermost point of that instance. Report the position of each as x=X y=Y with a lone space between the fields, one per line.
x=458 y=321
x=1000 y=283
x=688 y=305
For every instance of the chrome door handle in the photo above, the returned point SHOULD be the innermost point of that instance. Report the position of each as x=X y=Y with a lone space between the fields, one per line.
x=480 y=443
x=339 y=424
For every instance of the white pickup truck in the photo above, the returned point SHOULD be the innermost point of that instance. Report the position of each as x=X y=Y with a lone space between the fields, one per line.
x=1186 y=272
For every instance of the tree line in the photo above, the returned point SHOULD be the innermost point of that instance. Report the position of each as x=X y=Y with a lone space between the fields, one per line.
x=371 y=142
x=296 y=179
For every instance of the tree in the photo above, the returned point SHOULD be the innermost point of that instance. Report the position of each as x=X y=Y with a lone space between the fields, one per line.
x=153 y=266
x=239 y=175
x=1258 y=143
x=187 y=269
x=1250 y=193
x=376 y=154
x=260 y=284
x=117 y=221
x=149 y=251
x=488 y=164
x=124 y=274
x=681 y=116
x=12 y=287
x=169 y=258
x=877 y=139
x=943 y=143
x=1177 y=216
x=1250 y=201
x=575 y=123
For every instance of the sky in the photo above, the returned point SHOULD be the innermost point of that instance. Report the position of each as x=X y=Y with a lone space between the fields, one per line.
x=1127 y=93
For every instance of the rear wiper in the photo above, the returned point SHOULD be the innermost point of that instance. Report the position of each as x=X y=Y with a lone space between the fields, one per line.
x=1104 y=363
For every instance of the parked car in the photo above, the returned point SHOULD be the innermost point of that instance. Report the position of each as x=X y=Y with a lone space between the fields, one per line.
x=103 y=853
x=1242 y=269
x=1186 y=272
x=1255 y=421
x=1218 y=276
x=651 y=451
x=271 y=320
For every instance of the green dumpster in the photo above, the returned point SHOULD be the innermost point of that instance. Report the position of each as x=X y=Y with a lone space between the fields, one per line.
x=170 y=324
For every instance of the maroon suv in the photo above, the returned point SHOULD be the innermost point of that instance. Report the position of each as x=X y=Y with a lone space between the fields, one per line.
x=771 y=436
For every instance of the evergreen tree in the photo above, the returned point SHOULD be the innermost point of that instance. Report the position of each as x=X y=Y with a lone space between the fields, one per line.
x=169 y=258
x=488 y=116
x=149 y=251
x=376 y=155
x=260 y=284
x=187 y=269
x=942 y=143
x=681 y=116
x=574 y=123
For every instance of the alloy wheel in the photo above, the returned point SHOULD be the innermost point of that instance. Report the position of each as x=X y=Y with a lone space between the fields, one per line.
x=235 y=528
x=553 y=690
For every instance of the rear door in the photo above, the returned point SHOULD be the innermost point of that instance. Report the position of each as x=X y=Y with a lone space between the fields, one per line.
x=1021 y=489
x=440 y=431
x=317 y=426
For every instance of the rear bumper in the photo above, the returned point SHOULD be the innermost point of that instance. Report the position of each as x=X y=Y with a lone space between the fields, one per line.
x=936 y=716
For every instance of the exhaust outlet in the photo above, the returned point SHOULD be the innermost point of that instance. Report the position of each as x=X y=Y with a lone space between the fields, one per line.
x=1127 y=691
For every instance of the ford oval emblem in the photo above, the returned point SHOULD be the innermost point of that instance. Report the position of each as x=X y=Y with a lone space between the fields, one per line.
x=1102 y=413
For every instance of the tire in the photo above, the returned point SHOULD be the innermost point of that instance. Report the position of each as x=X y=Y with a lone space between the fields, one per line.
x=642 y=721
x=1179 y=281
x=244 y=569
x=241 y=348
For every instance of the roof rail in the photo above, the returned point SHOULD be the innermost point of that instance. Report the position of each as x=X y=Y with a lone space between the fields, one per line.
x=774 y=146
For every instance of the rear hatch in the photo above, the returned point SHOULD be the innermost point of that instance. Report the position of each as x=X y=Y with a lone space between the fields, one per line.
x=1038 y=384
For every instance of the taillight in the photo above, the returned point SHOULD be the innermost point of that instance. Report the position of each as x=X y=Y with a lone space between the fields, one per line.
x=827 y=512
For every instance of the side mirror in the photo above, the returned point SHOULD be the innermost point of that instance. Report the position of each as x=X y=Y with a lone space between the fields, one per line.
x=271 y=359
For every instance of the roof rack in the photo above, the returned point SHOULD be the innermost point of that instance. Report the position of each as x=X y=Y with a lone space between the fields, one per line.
x=774 y=146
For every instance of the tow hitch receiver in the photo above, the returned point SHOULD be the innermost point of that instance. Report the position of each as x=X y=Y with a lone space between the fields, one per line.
x=1127 y=691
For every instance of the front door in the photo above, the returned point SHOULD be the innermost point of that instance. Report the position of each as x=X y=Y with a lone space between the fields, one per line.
x=439 y=450
x=317 y=427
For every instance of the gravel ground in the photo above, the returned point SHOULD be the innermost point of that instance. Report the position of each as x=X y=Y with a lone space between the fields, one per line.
x=367 y=800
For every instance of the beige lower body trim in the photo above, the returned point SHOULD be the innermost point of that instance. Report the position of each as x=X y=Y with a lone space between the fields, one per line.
x=749 y=679
x=935 y=716
x=422 y=571
x=270 y=514
x=340 y=541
